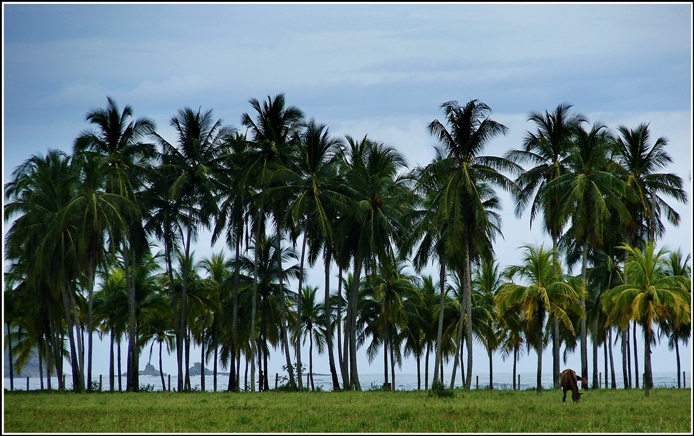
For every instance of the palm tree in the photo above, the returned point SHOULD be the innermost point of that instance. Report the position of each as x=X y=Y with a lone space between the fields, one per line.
x=589 y=193
x=42 y=242
x=486 y=283
x=639 y=162
x=546 y=151
x=189 y=174
x=546 y=293
x=310 y=181
x=466 y=172
x=312 y=325
x=371 y=224
x=678 y=330
x=125 y=158
x=275 y=127
x=650 y=296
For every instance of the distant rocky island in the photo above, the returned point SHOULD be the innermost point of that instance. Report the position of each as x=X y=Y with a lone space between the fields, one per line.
x=31 y=369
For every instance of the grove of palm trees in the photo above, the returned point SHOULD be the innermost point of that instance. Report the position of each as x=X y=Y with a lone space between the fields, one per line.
x=101 y=243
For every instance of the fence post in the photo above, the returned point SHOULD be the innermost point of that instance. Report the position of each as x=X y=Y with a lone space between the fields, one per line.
x=477 y=383
x=27 y=384
x=100 y=382
x=684 y=380
x=599 y=379
x=519 y=382
x=169 y=382
x=277 y=377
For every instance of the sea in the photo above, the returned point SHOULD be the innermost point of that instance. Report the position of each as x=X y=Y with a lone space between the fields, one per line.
x=404 y=382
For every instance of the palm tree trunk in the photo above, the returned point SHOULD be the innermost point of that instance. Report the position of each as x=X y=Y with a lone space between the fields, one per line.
x=90 y=320
x=9 y=346
x=233 y=374
x=636 y=358
x=439 y=334
x=298 y=301
x=111 y=375
x=628 y=351
x=458 y=343
x=515 y=368
x=426 y=368
x=202 y=360
x=385 y=358
x=76 y=385
x=120 y=384
x=605 y=358
x=283 y=316
x=491 y=370
x=328 y=327
x=679 y=368
x=340 y=354
x=584 y=329
x=648 y=382
x=254 y=298
x=310 y=362
x=353 y=301
x=596 y=383
x=613 y=375
x=556 y=340
x=625 y=352
x=467 y=294
x=161 y=368
x=539 y=368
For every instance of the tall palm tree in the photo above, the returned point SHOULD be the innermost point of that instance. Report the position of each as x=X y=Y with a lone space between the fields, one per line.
x=546 y=150
x=589 y=193
x=276 y=126
x=310 y=181
x=44 y=243
x=486 y=283
x=650 y=295
x=372 y=223
x=189 y=173
x=466 y=171
x=125 y=158
x=545 y=293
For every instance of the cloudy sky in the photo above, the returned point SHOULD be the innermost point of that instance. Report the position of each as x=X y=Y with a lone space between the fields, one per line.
x=381 y=70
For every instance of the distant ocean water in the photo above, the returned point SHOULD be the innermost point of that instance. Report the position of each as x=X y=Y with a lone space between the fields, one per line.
x=404 y=382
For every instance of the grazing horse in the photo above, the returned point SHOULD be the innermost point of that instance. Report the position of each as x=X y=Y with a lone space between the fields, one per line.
x=569 y=380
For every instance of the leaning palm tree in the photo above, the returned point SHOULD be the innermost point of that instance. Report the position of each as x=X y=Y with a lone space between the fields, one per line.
x=651 y=295
x=547 y=293
x=466 y=171
x=546 y=151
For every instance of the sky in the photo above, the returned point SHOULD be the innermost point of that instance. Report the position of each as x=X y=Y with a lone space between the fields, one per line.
x=362 y=69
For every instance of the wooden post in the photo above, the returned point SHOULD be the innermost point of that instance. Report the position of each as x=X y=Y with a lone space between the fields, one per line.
x=599 y=379
x=277 y=379
x=684 y=380
x=477 y=382
x=169 y=383
x=519 y=382
x=307 y=385
x=100 y=382
x=27 y=384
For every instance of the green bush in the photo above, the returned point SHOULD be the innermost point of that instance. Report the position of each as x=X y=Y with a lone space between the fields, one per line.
x=439 y=390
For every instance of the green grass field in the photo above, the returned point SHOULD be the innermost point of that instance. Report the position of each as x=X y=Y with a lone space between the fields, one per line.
x=500 y=411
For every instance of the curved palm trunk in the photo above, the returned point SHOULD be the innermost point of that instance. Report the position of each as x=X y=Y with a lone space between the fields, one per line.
x=161 y=368
x=556 y=343
x=283 y=328
x=458 y=343
x=613 y=375
x=439 y=334
x=342 y=348
x=328 y=329
x=467 y=284
x=584 y=330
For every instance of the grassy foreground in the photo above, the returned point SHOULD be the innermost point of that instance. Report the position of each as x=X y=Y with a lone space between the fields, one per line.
x=500 y=411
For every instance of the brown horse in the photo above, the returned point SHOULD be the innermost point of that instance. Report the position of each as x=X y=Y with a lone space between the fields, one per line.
x=569 y=380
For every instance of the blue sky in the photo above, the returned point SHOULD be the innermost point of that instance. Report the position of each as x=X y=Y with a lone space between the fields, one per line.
x=381 y=70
